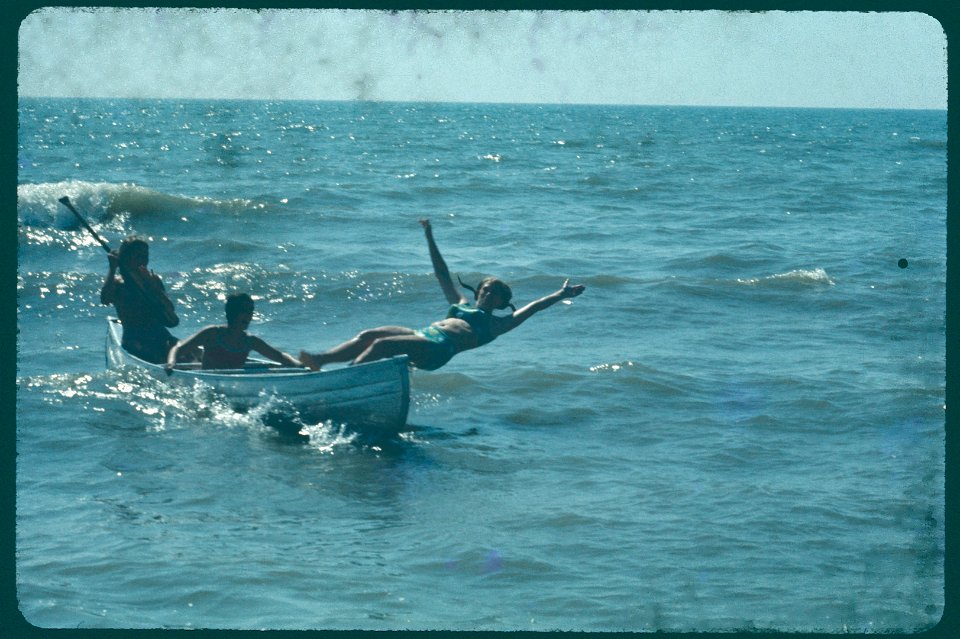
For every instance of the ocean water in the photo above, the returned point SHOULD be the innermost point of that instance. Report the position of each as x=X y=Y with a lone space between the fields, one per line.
x=740 y=424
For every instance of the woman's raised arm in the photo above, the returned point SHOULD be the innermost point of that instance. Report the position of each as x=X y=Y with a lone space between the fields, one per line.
x=452 y=293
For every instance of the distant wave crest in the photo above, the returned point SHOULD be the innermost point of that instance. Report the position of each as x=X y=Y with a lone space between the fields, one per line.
x=796 y=277
x=38 y=204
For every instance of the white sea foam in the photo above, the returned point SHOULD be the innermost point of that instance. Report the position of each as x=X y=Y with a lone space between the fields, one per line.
x=797 y=276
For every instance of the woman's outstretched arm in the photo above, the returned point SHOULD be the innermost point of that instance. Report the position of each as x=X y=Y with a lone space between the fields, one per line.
x=523 y=314
x=452 y=293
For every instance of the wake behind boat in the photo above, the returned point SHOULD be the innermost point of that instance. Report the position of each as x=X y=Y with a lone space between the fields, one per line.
x=373 y=395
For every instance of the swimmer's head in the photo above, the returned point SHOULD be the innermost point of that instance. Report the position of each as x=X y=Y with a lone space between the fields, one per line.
x=133 y=253
x=238 y=304
x=494 y=289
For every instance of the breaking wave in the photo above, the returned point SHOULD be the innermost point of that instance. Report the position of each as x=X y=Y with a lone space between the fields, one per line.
x=38 y=205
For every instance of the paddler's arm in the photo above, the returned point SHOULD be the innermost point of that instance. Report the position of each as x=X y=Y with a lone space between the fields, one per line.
x=150 y=283
x=270 y=352
x=523 y=314
x=200 y=338
x=450 y=291
x=108 y=294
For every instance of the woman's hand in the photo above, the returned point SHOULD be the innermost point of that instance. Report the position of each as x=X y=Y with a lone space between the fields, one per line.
x=425 y=223
x=571 y=291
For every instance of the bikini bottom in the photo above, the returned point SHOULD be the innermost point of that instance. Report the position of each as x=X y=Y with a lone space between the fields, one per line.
x=437 y=336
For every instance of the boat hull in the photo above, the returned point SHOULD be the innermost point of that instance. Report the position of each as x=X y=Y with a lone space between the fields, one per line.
x=371 y=396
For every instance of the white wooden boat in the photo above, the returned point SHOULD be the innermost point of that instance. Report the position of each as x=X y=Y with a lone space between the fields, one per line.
x=375 y=395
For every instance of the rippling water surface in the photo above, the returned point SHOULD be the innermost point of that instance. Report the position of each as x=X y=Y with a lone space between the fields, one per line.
x=739 y=425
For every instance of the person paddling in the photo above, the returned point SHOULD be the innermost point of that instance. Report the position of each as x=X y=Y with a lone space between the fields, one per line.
x=228 y=346
x=142 y=305
x=466 y=326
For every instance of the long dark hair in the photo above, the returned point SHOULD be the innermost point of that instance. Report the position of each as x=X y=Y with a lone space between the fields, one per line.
x=128 y=247
x=505 y=291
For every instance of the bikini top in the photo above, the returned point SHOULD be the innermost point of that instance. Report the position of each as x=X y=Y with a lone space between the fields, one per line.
x=479 y=320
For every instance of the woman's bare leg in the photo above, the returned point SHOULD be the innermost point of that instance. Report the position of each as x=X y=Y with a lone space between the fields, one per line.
x=419 y=349
x=350 y=349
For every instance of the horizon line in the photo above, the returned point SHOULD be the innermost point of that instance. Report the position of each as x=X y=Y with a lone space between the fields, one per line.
x=452 y=102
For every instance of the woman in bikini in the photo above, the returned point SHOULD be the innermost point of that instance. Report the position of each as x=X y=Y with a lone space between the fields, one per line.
x=465 y=327
x=228 y=346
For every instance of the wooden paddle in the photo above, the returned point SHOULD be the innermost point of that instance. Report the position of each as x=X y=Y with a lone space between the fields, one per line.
x=66 y=202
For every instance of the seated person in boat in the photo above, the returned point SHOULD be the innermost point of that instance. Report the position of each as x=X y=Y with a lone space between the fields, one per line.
x=144 y=310
x=466 y=326
x=228 y=346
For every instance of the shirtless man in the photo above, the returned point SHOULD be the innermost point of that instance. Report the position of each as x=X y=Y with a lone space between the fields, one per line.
x=228 y=346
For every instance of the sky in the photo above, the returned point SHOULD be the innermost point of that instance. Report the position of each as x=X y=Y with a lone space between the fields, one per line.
x=697 y=58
